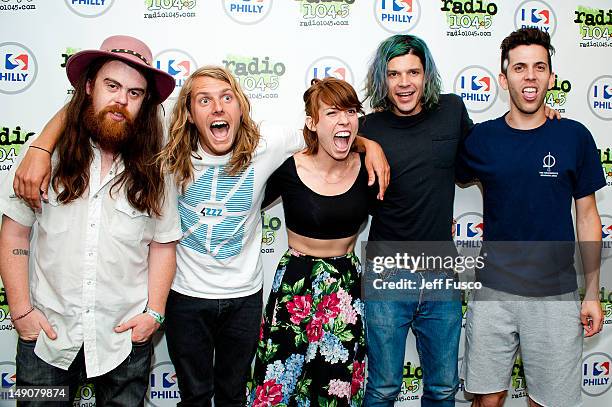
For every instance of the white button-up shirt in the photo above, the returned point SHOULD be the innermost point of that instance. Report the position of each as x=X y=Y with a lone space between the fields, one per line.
x=89 y=266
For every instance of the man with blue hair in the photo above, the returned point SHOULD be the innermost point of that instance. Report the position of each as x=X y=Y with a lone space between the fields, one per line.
x=420 y=131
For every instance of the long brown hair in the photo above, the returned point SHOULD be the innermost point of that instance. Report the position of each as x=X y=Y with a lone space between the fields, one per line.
x=142 y=178
x=184 y=136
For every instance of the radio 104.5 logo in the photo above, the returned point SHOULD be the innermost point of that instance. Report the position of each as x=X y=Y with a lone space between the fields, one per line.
x=469 y=17
x=259 y=76
x=556 y=97
x=594 y=26
x=412 y=387
x=323 y=13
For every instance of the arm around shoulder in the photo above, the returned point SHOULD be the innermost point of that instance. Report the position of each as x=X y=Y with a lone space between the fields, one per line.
x=31 y=180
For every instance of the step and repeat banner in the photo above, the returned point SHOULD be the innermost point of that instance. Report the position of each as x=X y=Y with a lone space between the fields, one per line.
x=274 y=48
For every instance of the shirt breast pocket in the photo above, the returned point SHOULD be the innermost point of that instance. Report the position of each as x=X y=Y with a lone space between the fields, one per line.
x=128 y=224
x=444 y=151
x=55 y=217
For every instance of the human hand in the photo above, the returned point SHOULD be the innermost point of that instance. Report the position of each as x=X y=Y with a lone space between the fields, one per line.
x=29 y=327
x=31 y=181
x=591 y=317
x=142 y=326
x=377 y=167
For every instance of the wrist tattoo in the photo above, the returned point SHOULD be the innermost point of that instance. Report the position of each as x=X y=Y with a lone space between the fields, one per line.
x=21 y=252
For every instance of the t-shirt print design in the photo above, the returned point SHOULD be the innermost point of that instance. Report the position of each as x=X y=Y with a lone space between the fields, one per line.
x=214 y=210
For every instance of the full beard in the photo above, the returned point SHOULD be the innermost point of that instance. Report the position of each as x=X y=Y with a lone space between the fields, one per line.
x=110 y=135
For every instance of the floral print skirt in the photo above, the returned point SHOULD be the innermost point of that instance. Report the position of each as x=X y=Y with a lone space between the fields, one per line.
x=311 y=348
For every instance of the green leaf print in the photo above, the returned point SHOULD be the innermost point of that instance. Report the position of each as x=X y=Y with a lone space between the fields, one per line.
x=303 y=386
x=302 y=337
x=332 y=288
x=286 y=298
x=287 y=289
x=270 y=352
x=321 y=266
x=345 y=336
x=297 y=287
x=347 y=281
x=339 y=325
x=284 y=260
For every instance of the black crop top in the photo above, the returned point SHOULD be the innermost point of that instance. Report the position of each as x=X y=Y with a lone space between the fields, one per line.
x=316 y=216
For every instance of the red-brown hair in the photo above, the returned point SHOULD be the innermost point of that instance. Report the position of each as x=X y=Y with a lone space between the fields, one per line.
x=333 y=92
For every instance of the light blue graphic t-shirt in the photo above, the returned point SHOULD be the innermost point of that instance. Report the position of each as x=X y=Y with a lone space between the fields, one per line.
x=219 y=254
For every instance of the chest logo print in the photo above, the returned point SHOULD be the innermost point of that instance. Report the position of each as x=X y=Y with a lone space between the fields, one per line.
x=548 y=162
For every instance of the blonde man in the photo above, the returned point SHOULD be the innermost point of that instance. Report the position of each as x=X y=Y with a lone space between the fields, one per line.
x=221 y=164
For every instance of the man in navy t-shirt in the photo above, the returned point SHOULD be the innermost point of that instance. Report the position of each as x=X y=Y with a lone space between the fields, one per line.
x=531 y=169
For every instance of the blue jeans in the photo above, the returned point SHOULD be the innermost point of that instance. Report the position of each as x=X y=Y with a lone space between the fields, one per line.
x=436 y=324
x=211 y=343
x=125 y=385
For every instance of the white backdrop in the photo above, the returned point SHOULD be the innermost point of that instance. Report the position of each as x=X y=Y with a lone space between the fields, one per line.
x=274 y=47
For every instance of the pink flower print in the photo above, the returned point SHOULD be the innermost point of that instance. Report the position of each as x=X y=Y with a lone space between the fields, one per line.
x=299 y=308
x=268 y=394
x=314 y=330
x=328 y=308
x=339 y=388
x=358 y=377
x=347 y=312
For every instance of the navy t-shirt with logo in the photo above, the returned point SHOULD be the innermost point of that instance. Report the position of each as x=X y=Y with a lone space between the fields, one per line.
x=529 y=178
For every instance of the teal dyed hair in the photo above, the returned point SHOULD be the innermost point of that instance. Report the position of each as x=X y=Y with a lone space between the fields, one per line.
x=397 y=45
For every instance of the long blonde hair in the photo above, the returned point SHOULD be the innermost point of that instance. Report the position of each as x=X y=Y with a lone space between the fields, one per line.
x=184 y=136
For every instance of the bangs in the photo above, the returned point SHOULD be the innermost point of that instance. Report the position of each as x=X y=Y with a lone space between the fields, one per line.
x=338 y=94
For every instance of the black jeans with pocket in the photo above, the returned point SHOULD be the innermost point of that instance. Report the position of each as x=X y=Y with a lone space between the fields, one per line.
x=212 y=343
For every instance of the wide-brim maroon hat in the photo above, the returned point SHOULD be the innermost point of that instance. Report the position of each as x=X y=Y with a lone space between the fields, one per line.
x=123 y=48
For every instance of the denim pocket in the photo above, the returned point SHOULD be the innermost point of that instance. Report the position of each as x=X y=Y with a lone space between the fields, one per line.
x=27 y=342
x=141 y=344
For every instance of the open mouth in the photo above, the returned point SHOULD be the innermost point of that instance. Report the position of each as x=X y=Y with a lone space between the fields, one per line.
x=342 y=140
x=405 y=95
x=530 y=93
x=117 y=116
x=219 y=129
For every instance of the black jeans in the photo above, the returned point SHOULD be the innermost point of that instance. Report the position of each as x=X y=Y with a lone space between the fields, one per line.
x=211 y=344
x=125 y=385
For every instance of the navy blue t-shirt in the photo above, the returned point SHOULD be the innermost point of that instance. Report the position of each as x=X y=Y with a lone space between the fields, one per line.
x=529 y=178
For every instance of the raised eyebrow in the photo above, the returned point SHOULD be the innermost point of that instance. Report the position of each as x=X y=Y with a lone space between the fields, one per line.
x=208 y=94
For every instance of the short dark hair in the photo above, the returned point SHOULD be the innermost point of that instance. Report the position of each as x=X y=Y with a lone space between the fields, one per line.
x=525 y=36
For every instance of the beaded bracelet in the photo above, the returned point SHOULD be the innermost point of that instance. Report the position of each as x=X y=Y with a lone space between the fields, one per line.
x=22 y=315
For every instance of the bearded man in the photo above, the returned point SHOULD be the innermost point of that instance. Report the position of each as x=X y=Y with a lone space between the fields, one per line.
x=103 y=253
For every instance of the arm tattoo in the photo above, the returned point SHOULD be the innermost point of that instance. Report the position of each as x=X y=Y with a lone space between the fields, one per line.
x=21 y=252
